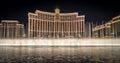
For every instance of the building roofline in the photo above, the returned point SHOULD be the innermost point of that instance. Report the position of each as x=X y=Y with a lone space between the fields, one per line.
x=39 y=11
x=116 y=17
x=30 y=13
x=10 y=21
x=20 y=24
x=75 y=13
x=81 y=16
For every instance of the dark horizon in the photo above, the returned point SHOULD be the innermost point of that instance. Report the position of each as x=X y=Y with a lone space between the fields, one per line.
x=94 y=11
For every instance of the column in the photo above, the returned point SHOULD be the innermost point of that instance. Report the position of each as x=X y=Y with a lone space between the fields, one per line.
x=62 y=27
x=7 y=30
x=47 y=27
x=29 y=26
x=41 y=28
x=76 y=28
x=80 y=29
x=32 y=28
x=116 y=30
x=16 y=28
x=36 y=27
x=68 y=28
x=44 y=27
x=28 y=29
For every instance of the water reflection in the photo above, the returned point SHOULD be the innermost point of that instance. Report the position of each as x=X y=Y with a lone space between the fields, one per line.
x=59 y=54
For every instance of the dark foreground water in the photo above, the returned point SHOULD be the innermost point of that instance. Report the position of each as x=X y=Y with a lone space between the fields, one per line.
x=59 y=54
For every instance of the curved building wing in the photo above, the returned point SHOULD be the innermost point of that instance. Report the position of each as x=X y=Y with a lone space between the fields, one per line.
x=56 y=25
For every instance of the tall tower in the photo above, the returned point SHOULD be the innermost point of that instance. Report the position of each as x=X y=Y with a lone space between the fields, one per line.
x=57 y=23
x=57 y=10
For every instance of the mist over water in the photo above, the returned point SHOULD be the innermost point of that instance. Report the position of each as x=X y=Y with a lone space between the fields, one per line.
x=60 y=42
x=59 y=54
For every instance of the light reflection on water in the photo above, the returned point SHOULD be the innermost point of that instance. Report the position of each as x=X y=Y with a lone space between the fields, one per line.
x=59 y=54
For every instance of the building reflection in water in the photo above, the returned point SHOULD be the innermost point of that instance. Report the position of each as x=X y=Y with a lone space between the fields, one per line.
x=59 y=54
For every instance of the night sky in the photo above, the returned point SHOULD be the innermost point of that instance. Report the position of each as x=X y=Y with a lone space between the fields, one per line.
x=94 y=11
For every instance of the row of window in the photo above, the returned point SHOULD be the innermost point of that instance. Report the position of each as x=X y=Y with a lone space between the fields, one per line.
x=52 y=17
x=35 y=25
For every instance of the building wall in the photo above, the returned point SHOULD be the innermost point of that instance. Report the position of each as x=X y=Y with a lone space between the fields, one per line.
x=111 y=29
x=11 y=29
x=116 y=26
x=20 y=31
x=55 y=25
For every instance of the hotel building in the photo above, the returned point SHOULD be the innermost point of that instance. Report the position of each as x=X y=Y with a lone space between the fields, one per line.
x=55 y=25
x=11 y=29
x=108 y=30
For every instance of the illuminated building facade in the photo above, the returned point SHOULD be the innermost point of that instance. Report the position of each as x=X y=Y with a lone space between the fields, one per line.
x=108 y=30
x=11 y=29
x=115 y=25
x=55 y=25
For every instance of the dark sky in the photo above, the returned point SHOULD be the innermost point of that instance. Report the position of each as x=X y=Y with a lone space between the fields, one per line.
x=94 y=10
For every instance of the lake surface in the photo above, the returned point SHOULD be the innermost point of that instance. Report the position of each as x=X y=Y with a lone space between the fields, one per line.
x=59 y=54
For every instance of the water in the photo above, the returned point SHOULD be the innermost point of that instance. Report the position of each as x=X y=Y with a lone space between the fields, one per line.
x=59 y=54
